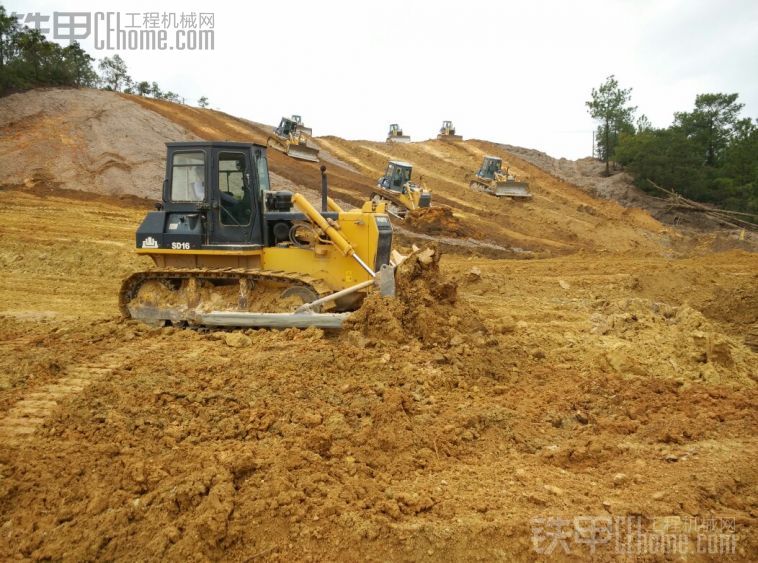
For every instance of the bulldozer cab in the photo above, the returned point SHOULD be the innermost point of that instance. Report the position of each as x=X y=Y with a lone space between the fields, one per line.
x=398 y=174
x=212 y=193
x=297 y=119
x=286 y=126
x=490 y=166
x=395 y=130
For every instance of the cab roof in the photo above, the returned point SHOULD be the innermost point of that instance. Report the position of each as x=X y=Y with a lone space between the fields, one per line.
x=219 y=144
x=494 y=158
x=401 y=163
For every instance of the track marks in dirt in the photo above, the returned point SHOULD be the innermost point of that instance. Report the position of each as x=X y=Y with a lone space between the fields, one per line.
x=28 y=414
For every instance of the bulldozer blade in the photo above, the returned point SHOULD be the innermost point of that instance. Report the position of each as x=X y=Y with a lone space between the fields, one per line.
x=450 y=137
x=157 y=316
x=272 y=320
x=385 y=281
x=303 y=153
x=513 y=189
x=399 y=139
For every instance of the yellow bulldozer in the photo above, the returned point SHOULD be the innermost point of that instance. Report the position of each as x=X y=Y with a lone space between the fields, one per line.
x=231 y=252
x=290 y=140
x=447 y=132
x=491 y=179
x=395 y=135
x=397 y=190
x=301 y=126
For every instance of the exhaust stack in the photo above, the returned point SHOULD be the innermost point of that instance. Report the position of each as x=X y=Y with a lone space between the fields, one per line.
x=324 y=190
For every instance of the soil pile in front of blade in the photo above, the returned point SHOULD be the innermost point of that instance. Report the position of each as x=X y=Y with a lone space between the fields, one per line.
x=426 y=308
x=439 y=221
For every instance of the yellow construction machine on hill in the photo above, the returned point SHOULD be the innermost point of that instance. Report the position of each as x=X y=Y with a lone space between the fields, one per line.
x=447 y=132
x=491 y=179
x=301 y=126
x=399 y=192
x=289 y=139
x=230 y=251
x=395 y=135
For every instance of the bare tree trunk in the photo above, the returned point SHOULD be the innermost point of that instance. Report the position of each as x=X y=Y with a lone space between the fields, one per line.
x=607 y=148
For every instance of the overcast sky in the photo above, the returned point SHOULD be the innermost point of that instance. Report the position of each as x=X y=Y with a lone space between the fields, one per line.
x=511 y=72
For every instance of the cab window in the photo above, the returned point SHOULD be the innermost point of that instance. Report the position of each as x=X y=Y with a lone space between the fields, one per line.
x=188 y=176
x=262 y=164
x=236 y=201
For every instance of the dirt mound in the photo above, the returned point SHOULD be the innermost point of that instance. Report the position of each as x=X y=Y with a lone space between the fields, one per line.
x=439 y=221
x=654 y=339
x=427 y=308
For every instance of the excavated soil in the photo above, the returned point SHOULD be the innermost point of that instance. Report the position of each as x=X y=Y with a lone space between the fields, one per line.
x=439 y=221
x=84 y=139
x=436 y=426
x=613 y=377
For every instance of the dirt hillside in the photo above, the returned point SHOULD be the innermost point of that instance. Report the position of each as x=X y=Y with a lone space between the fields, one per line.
x=110 y=143
x=84 y=140
x=612 y=376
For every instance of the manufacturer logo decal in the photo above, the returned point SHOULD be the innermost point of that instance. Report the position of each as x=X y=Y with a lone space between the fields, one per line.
x=149 y=242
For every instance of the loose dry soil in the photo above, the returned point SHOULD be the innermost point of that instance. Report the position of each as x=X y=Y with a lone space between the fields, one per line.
x=612 y=374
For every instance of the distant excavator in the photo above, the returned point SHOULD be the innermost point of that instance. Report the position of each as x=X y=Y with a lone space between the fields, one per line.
x=447 y=132
x=492 y=180
x=291 y=141
x=399 y=192
x=395 y=135
x=301 y=126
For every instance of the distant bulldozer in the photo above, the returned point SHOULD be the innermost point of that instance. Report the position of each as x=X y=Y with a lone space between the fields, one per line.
x=447 y=132
x=301 y=126
x=395 y=135
x=289 y=140
x=492 y=180
x=399 y=192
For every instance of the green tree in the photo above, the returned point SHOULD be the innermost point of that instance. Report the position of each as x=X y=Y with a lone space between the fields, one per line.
x=711 y=124
x=709 y=154
x=737 y=178
x=609 y=106
x=114 y=72
x=27 y=59
x=8 y=31
x=30 y=44
x=155 y=91
x=643 y=124
x=143 y=88
x=79 y=65
x=203 y=102
x=665 y=156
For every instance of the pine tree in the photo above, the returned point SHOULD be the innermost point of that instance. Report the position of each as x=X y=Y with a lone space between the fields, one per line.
x=609 y=106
